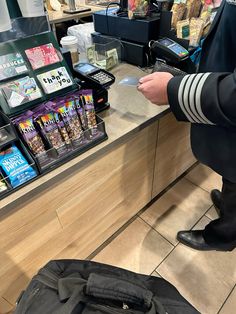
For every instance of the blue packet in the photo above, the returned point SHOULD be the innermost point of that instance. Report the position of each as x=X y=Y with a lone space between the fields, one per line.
x=15 y=166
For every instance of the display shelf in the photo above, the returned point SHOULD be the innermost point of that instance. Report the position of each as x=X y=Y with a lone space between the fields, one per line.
x=52 y=159
x=7 y=133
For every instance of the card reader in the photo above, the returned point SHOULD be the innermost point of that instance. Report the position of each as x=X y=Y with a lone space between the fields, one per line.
x=169 y=50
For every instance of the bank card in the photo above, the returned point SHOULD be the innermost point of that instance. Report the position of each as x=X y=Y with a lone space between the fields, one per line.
x=129 y=81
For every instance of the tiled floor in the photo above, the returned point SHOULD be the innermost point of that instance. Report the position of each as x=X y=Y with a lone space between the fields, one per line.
x=148 y=245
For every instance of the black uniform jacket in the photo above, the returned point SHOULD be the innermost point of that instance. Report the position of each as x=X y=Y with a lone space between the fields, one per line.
x=208 y=99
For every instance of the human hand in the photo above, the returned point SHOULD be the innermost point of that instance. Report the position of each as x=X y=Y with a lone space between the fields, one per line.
x=154 y=87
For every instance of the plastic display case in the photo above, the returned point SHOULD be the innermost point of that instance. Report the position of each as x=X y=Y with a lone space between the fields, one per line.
x=52 y=158
x=16 y=48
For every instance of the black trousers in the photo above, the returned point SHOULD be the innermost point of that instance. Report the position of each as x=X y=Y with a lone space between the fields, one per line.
x=223 y=230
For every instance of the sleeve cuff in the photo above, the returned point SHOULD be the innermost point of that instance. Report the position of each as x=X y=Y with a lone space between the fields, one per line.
x=173 y=95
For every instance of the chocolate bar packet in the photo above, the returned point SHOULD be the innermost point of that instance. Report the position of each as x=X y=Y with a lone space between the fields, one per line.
x=60 y=123
x=62 y=128
x=79 y=106
x=70 y=105
x=51 y=131
x=73 y=128
x=15 y=166
x=90 y=111
x=25 y=125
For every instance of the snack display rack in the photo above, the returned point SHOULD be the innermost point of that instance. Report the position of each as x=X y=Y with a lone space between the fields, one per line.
x=45 y=84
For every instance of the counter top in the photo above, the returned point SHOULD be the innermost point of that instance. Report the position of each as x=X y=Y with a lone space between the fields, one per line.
x=60 y=16
x=129 y=112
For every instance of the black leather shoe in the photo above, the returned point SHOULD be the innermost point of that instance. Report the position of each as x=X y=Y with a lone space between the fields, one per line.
x=195 y=240
x=216 y=199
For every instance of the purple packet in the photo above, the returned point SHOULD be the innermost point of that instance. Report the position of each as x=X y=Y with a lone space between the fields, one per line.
x=51 y=131
x=26 y=126
x=52 y=106
x=75 y=133
x=81 y=111
x=90 y=111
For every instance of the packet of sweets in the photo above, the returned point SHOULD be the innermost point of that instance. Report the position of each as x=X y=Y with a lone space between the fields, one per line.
x=79 y=105
x=51 y=131
x=62 y=128
x=25 y=125
x=15 y=166
x=60 y=123
x=90 y=111
x=73 y=131
x=70 y=105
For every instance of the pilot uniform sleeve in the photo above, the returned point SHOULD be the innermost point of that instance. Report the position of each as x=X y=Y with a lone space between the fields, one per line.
x=208 y=98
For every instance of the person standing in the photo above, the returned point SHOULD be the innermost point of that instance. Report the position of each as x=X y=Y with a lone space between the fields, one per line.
x=208 y=101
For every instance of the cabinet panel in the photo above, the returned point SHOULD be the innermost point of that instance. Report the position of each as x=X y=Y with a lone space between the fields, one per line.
x=174 y=154
x=77 y=213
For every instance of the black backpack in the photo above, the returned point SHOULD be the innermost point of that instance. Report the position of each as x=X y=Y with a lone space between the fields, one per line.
x=74 y=286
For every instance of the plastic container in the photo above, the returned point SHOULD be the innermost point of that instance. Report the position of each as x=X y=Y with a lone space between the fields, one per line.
x=53 y=159
x=5 y=21
x=71 y=43
x=107 y=52
x=31 y=8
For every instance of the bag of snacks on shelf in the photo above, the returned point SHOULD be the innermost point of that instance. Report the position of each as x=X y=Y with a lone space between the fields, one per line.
x=183 y=29
x=137 y=8
x=71 y=122
x=51 y=131
x=15 y=166
x=79 y=106
x=50 y=105
x=178 y=11
x=193 y=8
x=31 y=136
x=196 y=31
x=90 y=111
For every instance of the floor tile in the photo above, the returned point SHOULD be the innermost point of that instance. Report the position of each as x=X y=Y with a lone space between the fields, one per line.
x=230 y=305
x=205 y=279
x=138 y=248
x=178 y=209
x=5 y=307
x=156 y=274
x=212 y=214
x=202 y=223
x=205 y=178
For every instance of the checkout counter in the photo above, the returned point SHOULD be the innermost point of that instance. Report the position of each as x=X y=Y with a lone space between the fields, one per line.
x=72 y=210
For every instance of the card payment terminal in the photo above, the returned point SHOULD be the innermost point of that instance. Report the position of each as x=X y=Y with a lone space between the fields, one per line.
x=169 y=50
x=94 y=76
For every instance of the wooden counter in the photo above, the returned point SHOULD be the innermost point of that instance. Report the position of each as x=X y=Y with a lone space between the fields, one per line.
x=71 y=211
